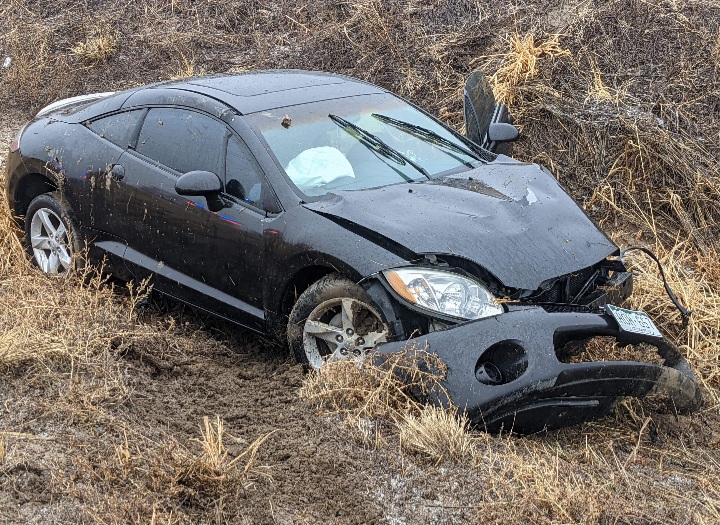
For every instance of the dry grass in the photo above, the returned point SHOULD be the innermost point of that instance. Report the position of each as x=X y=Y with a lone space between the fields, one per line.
x=215 y=466
x=367 y=390
x=619 y=98
x=96 y=49
x=521 y=63
x=695 y=280
x=436 y=433
x=45 y=319
x=187 y=68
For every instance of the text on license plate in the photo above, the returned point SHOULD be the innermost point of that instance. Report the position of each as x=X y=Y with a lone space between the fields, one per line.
x=633 y=321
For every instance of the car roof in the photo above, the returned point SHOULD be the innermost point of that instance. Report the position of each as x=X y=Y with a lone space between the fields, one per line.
x=250 y=92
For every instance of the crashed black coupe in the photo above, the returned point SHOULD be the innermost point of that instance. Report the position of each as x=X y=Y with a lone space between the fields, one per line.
x=344 y=218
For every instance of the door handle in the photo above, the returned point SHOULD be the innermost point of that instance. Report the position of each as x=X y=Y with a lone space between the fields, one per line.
x=117 y=172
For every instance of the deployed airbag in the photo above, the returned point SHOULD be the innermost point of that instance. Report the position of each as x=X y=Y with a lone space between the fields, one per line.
x=318 y=166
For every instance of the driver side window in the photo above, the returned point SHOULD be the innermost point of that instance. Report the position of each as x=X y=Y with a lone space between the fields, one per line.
x=244 y=179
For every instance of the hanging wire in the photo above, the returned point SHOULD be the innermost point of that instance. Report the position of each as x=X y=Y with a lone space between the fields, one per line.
x=683 y=311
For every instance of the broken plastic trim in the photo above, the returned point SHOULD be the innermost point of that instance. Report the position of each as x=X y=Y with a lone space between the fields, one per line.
x=505 y=373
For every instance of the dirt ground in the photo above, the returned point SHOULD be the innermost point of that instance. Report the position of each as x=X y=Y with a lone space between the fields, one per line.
x=316 y=474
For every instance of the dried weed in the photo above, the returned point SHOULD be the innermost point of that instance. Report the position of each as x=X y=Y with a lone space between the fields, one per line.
x=521 y=63
x=96 y=49
x=215 y=467
x=437 y=433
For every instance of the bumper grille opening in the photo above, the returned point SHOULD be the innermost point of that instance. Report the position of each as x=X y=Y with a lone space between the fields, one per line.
x=502 y=363
x=606 y=348
x=567 y=289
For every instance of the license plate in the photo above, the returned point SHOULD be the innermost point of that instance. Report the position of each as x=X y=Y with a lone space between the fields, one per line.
x=633 y=321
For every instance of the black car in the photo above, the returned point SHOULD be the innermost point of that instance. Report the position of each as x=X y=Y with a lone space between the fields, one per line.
x=339 y=215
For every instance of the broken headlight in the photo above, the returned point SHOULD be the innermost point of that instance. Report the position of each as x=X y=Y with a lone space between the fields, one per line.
x=443 y=292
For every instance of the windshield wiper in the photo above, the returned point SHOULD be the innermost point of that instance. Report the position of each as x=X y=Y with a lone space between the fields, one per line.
x=371 y=141
x=429 y=136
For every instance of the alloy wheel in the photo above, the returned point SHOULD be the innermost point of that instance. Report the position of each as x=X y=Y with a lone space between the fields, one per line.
x=50 y=242
x=342 y=328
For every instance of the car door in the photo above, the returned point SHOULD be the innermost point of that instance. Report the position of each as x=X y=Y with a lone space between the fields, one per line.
x=238 y=232
x=167 y=234
x=481 y=111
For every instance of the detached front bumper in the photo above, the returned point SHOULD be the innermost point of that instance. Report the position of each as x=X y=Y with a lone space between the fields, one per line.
x=505 y=373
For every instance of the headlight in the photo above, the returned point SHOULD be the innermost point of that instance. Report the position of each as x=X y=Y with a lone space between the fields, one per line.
x=444 y=292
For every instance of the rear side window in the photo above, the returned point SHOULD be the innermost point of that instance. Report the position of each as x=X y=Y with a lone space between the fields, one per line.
x=183 y=140
x=118 y=128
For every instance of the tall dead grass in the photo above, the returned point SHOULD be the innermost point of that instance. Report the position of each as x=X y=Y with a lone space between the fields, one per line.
x=47 y=319
x=619 y=98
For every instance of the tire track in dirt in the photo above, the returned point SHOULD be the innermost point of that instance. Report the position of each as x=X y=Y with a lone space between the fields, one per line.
x=316 y=472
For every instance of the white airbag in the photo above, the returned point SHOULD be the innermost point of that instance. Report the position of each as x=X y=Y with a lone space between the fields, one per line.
x=318 y=166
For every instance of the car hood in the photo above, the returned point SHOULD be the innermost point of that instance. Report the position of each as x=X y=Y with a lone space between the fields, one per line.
x=513 y=219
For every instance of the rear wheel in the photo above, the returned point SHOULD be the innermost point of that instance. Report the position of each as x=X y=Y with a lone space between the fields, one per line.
x=51 y=235
x=334 y=320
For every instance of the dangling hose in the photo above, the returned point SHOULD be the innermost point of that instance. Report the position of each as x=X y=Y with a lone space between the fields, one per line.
x=683 y=311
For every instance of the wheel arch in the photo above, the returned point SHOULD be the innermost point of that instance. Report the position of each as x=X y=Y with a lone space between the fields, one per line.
x=294 y=286
x=301 y=281
x=28 y=187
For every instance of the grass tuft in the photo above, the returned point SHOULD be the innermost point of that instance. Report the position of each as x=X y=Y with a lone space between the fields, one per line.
x=215 y=466
x=436 y=433
x=96 y=49
x=521 y=63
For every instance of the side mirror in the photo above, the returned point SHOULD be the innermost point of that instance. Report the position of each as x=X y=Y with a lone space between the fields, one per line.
x=488 y=123
x=203 y=184
x=502 y=132
x=198 y=183
x=478 y=107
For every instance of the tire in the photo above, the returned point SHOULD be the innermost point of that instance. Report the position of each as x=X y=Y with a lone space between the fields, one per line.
x=52 y=236
x=334 y=319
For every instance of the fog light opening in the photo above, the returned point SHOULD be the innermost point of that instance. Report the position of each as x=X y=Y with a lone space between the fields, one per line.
x=502 y=363
x=488 y=374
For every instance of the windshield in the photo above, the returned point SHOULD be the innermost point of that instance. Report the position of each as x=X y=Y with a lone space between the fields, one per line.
x=360 y=142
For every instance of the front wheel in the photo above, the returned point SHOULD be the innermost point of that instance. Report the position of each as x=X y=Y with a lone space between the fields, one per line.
x=334 y=320
x=51 y=236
